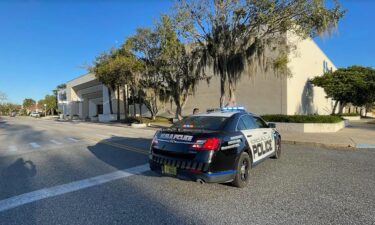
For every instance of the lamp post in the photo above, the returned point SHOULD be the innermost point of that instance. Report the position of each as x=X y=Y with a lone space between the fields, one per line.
x=45 y=110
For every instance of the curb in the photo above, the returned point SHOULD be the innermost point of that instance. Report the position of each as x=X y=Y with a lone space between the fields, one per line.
x=315 y=144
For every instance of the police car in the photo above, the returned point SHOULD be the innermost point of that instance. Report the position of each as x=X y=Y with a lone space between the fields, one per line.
x=218 y=146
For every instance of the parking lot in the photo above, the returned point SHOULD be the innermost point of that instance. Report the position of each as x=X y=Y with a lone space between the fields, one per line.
x=77 y=173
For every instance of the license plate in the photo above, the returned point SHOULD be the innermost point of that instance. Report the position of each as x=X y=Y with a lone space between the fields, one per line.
x=171 y=170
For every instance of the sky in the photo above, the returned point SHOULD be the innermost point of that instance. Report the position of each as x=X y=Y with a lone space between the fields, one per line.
x=44 y=43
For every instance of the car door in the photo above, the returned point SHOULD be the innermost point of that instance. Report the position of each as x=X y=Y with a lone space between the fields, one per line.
x=266 y=142
x=253 y=136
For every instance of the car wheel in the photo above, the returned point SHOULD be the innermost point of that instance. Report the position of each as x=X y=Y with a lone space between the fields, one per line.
x=278 y=150
x=243 y=171
x=152 y=166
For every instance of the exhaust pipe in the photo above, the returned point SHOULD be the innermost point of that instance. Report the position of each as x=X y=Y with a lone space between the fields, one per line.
x=201 y=181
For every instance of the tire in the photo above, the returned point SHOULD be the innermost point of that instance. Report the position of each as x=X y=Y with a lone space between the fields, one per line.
x=242 y=171
x=277 y=154
x=152 y=166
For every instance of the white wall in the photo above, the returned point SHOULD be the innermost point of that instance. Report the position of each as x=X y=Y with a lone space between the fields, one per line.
x=305 y=63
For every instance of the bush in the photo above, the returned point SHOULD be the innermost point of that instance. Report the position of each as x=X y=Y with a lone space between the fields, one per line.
x=302 y=118
x=349 y=114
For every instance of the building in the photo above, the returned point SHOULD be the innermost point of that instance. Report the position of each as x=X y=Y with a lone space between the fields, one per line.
x=260 y=93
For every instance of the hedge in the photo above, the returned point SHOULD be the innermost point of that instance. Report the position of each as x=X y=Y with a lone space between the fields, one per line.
x=302 y=118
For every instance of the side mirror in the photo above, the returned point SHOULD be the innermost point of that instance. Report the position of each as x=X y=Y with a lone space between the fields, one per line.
x=271 y=125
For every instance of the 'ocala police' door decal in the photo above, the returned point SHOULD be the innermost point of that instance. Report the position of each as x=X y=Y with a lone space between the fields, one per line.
x=260 y=144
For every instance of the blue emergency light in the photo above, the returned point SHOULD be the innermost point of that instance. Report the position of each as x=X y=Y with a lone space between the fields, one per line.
x=234 y=108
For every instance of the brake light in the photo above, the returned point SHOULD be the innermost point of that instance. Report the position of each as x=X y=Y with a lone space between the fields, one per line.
x=209 y=144
x=154 y=140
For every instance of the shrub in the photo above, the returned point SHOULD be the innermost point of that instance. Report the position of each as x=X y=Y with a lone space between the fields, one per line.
x=302 y=118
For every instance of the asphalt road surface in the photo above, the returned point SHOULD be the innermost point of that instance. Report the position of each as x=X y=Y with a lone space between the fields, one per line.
x=77 y=173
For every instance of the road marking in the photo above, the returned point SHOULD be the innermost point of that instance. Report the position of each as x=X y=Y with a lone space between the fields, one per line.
x=73 y=139
x=44 y=193
x=55 y=142
x=34 y=145
x=12 y=148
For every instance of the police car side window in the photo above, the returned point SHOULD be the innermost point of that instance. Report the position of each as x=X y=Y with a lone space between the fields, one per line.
x=245 y=123
x=241 y=124
x=260 y=123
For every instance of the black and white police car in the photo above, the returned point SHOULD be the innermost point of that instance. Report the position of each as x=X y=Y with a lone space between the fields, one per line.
x=218 y=146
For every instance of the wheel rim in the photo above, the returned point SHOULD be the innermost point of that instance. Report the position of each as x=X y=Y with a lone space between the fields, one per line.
x=244 y=171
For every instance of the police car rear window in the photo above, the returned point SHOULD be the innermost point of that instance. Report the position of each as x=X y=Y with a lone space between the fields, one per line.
x=201 y=122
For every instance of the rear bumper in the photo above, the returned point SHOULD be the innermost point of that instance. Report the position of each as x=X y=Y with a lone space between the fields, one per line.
x=195 y=174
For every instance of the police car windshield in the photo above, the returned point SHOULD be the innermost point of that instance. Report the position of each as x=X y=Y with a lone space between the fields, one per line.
x=201 y=122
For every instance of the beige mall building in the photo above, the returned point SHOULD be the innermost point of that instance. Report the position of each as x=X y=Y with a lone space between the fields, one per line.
x=262 y=93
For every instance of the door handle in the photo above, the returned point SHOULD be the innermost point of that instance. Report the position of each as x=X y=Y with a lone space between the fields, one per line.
x=249 y=135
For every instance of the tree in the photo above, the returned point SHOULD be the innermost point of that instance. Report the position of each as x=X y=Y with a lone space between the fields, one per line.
x=235 y=35
x=354 y=85
x=176 y=65
x=56 y=91
x=28 y=103
x=48 y=104
x=103 y=73
x=146 y=45
x=115 y=69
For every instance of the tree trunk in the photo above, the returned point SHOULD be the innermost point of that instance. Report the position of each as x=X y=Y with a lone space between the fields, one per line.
x=232 y=96
x=140 y=105
x=334 y=107
x=118 y=103
x=134 y=106
x=110 y=101
x=180 y=105
x=178 y=111
x=222 y=91
x=341 y=108
x=125 y=101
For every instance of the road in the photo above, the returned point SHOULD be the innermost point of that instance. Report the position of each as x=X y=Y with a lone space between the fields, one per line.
x=77 y=173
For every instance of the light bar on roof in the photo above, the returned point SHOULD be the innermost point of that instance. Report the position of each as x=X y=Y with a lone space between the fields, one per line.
x=233 y=108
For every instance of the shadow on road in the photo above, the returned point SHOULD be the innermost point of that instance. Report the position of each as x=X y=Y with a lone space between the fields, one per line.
x=136 y=204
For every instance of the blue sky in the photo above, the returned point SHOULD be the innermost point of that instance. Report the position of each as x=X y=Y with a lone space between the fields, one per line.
x=45 y=43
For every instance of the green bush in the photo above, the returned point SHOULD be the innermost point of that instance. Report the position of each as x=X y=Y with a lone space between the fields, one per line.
x=349 y=114
x=302 y=118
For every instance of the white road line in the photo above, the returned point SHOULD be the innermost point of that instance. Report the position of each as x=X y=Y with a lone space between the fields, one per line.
x=34 y=145
x=73 y=139
x=12 y=148
x=44 y=193
x=56 y=142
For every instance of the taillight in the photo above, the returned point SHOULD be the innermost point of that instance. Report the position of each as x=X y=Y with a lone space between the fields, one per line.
x=209 y=144
x=154 y=140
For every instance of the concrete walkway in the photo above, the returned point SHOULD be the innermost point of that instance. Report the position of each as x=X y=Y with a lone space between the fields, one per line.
x=359 y=134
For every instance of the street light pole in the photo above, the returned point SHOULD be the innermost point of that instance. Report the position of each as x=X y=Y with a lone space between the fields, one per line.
x=45 y=110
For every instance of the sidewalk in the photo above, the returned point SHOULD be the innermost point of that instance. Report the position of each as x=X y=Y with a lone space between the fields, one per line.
x=359 y=134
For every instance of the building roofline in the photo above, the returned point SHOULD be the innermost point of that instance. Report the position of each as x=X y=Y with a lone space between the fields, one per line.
x=79 y=77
